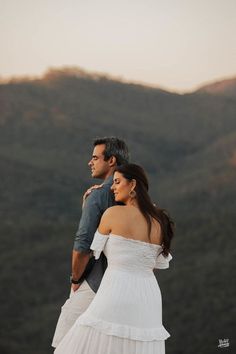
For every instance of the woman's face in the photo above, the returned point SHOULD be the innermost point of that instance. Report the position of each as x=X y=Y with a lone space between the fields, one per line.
x=121 y=188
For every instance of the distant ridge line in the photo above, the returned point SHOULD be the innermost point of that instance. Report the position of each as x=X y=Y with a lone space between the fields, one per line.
x=225 y=86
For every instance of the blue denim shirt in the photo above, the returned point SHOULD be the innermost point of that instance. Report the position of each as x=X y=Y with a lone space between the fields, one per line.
x=95 y=205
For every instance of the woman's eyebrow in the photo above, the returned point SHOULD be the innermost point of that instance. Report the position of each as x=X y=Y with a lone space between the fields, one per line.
x=115 y=179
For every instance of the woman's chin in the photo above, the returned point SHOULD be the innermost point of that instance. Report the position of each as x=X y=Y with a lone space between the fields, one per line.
x=117 y=199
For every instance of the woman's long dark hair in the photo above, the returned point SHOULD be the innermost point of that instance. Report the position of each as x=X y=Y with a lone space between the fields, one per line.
x=148 y=209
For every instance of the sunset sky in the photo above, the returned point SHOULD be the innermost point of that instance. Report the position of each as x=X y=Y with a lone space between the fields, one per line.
x=174 y=44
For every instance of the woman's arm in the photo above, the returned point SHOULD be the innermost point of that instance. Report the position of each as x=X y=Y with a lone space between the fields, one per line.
x=105 y=226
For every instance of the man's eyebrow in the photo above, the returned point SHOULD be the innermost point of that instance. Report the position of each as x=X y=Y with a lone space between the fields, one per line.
x=99 y=155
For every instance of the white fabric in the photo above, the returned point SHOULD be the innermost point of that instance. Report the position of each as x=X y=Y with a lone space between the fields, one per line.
x=125 y=316
x=77 y=303
x=91 y=341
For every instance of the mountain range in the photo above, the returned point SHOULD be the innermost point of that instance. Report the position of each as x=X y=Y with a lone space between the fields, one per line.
x=187 y=145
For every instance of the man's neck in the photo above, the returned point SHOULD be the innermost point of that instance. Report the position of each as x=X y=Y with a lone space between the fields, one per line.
x=109 y=174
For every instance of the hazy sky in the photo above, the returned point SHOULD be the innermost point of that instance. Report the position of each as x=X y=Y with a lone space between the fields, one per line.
x=176 y=44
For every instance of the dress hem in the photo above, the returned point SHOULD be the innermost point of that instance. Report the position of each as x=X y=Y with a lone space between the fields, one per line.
x=124 y=331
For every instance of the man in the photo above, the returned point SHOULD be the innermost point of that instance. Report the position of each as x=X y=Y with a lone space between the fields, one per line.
x=86 y=272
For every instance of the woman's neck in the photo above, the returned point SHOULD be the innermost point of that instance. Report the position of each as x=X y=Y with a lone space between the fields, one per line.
x=132 y=202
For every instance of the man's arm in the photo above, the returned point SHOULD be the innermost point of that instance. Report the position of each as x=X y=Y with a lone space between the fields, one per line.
x=79 y=264
x=90 y=218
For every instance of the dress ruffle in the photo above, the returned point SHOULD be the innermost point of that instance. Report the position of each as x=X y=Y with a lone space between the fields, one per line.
x=163 y=262
x=124 y=331
x=98 y=244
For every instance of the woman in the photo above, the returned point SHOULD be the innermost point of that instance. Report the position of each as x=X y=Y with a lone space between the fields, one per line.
x=125 y=316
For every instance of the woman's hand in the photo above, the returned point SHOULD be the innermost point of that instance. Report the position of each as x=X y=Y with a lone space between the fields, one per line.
x=88 y=191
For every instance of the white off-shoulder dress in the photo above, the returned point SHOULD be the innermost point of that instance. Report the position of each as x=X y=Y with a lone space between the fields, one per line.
x=125 y=316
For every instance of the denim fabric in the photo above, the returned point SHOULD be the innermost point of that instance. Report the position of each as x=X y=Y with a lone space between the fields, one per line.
x=95 y=205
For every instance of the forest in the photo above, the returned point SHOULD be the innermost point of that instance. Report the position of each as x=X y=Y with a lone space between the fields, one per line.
x=187 y=145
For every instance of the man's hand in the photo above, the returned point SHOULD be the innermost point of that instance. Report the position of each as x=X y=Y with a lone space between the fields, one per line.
x=88 y=191
x=75 y=287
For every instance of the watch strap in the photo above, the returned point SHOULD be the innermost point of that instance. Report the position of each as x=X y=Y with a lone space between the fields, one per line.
x=74 y=281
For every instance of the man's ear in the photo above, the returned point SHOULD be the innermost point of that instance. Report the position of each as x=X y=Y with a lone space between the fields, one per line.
x=112 y=161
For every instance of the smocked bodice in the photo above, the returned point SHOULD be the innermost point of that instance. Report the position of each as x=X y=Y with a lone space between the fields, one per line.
x=128 y=254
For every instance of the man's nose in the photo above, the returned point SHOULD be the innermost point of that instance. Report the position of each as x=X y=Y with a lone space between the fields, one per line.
x=90 y=163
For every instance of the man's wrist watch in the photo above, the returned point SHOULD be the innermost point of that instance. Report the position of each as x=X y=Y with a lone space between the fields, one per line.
x=72 y=281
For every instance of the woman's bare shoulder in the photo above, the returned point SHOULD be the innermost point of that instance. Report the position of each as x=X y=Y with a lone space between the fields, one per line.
x=115 y=209
x=108 y=218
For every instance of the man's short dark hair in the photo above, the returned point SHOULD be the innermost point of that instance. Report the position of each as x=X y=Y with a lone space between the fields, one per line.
x=114 y=147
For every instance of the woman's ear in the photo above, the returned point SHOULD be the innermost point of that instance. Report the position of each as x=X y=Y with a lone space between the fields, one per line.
x=133 y=184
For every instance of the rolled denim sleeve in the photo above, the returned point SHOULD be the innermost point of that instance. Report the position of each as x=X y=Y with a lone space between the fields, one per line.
x=90 y=218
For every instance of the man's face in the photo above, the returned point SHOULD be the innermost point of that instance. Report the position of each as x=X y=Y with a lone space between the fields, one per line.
x=99 y=167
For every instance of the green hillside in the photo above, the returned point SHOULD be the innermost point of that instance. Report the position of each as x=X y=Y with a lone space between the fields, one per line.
x=186 y=143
